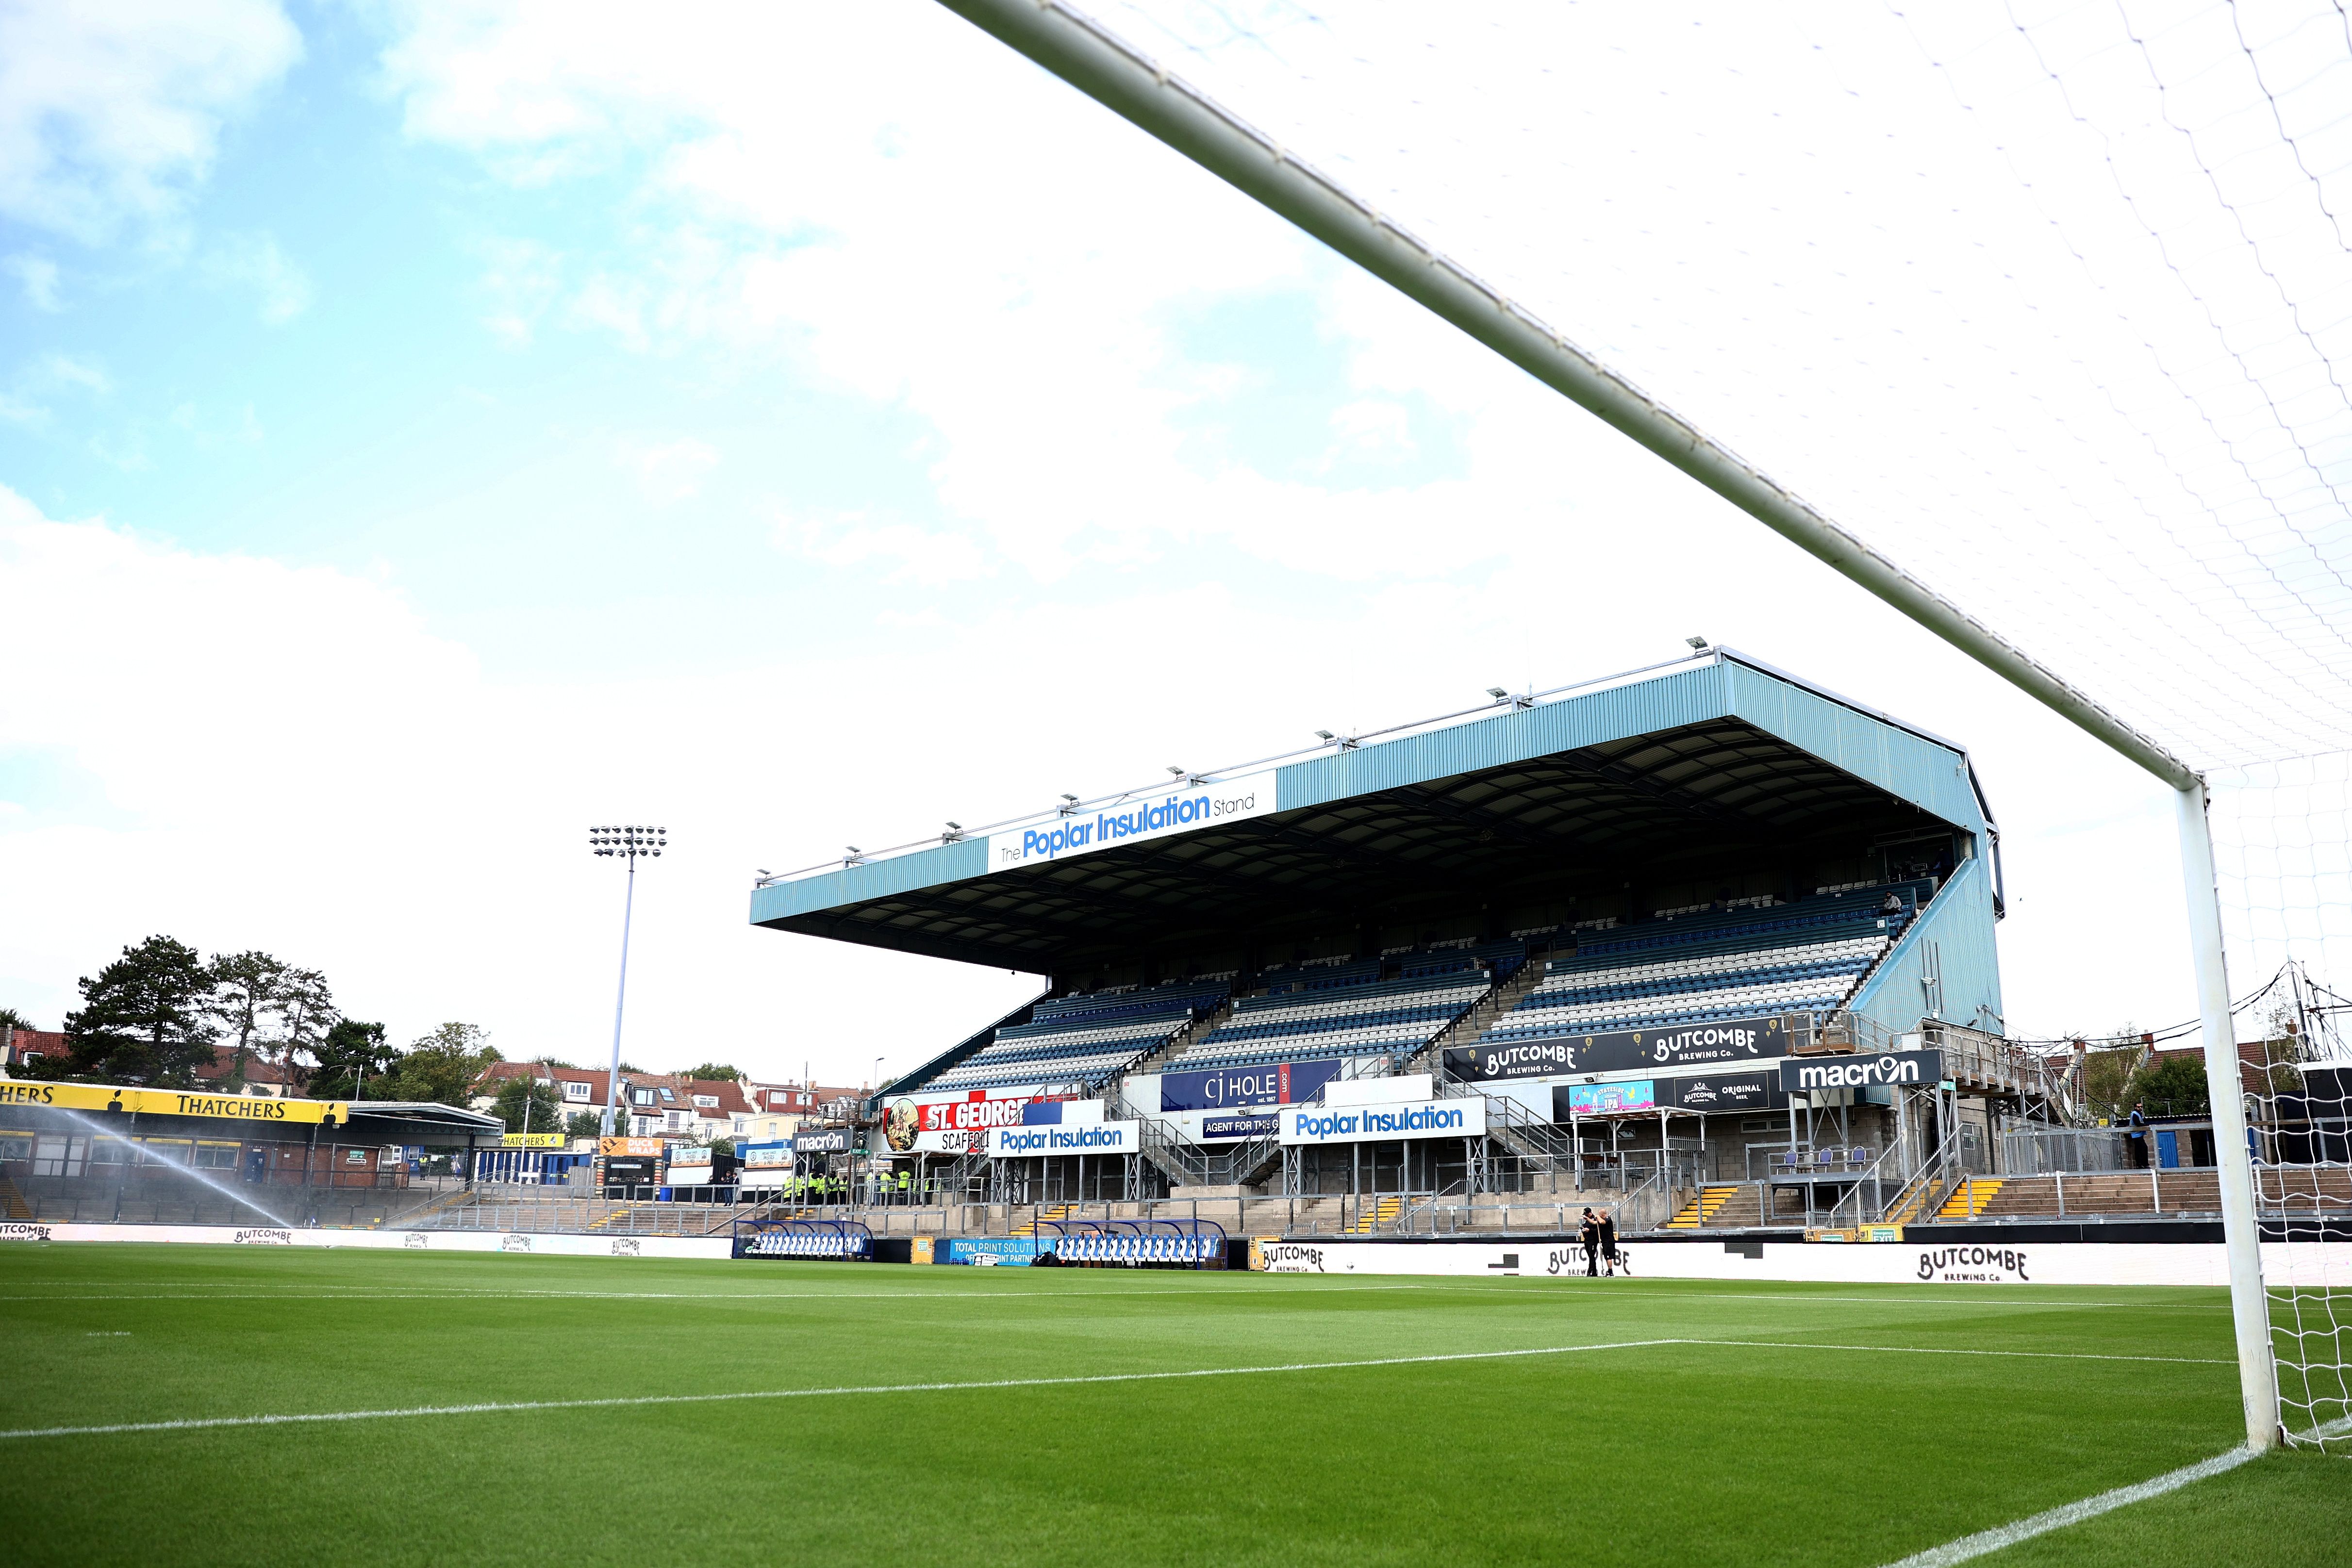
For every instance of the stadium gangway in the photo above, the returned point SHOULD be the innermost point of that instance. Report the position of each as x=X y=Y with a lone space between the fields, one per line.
x=1138 y=1243
x=837 y=1240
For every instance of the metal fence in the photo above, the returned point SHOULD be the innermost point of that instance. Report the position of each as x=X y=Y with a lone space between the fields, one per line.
x=104 y=1200
x=2045 y=1150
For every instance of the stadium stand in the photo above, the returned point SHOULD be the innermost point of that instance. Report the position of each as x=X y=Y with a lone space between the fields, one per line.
x=1367 y=1018
x=1082 y=1038
x=1808 y=956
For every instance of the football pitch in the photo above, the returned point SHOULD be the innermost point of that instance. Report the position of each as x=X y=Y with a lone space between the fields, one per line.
x=173 y=1405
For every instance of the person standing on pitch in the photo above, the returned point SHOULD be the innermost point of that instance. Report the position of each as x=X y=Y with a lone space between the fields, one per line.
x=1589 y=1233
x=1608 y=1232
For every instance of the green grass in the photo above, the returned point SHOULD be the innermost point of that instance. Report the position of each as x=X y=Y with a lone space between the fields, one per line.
x=1684 y=1453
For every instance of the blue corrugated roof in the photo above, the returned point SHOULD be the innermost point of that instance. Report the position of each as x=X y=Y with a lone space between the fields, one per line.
x=1905 y=762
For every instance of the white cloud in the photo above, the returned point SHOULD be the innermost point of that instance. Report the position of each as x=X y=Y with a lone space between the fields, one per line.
x=111 y=113
x=38 y=276
x=256 y=262
x=670 y=471
x=920 y=555
x=25 y=400
x=885 y=201
x=521 y=278
x=288 y=757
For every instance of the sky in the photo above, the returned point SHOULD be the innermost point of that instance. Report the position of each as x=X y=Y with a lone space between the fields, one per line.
x=426 y=432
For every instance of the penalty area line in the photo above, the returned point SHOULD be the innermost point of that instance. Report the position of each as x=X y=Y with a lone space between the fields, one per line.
x=2002 y=1537
x=631 y=1401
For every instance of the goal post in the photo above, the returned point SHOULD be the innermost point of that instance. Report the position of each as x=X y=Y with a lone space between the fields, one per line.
x=2232 y=1154
x=1073 y=46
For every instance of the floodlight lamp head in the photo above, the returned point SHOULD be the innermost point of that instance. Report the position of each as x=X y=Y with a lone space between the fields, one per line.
x=1073 y=799
x=1323 y=734
x=1698 y=644
x=1497 y=693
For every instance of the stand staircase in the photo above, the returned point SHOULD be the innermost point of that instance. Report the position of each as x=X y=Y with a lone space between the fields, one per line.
x=1379 y=1212
x=1709 y=1209
x=1969 y=1199
x=12 y=1202
x=1478 y=1017
x=1197 y=1028
x=1038 y=1216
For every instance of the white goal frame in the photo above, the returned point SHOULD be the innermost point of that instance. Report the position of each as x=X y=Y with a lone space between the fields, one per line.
x=1076 y=48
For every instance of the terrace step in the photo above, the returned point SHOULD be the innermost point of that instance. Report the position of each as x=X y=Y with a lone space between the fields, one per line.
x=1969 y=1198
x=1042 y=1216
x=1703 y=1209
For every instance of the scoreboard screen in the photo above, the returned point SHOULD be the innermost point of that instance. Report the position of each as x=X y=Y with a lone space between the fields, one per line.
x=633 y=1170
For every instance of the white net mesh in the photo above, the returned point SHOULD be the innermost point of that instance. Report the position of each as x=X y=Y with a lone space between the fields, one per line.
x=2050 y=303
x=2283 y=837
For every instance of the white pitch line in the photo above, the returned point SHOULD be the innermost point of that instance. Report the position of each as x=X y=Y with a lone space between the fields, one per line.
x=495 y=1408
x=1965 y=1349
x=1468 y=1287
x=2000 y=1538
x=200 y=1423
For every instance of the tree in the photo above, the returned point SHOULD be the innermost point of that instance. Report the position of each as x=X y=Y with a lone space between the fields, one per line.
x=585 y=1123
x=143 y=1020
x=302 y=1015
x=11 y=1018
x=444 y=1066
x=244 y=988
x=710 y=1071
x=353 y=1061
x=2173 y=1086
x=545 y=1111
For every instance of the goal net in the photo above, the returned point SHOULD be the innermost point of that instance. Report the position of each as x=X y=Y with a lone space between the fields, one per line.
x=2284 y=842
x=2049 y=305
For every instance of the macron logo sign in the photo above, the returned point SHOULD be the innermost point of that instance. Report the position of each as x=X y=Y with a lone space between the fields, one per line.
x=1197 y=805
x=1807 y=1075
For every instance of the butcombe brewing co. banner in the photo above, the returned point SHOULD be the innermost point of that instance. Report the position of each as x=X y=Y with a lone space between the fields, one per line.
x=1733 y=1040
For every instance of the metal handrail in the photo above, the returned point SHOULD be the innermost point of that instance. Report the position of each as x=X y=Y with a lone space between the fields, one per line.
x=1927 y=1181
x=1874 y=1176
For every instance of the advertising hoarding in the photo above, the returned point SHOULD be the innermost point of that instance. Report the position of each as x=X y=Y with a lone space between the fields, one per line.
x=1223 y=1129
x=1082 y=1138
x=954 y=1123
x=533 y=1140
x=1714 y=1092
x=1703 y=1091
x=1608 y=1099
x=1731 y=1040
x=1183 y=811
x=1379 y=1124
x=632 y=1148
x=1236 y=1088
x=1809 y=1074
x=826 y=1141
x=171 y=1103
